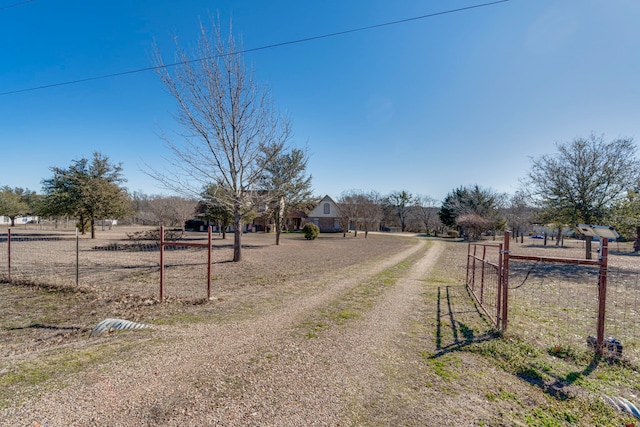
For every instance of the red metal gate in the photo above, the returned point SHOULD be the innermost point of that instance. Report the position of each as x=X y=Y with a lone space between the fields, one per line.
x=488 y=280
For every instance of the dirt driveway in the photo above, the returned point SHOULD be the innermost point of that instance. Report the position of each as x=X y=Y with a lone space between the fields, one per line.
x=347 y=352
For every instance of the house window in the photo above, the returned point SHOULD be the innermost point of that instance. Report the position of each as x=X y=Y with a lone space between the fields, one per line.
x=327 y=209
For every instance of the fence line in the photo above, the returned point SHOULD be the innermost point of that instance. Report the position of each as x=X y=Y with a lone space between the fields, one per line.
x=559 y=295
x=164 y=244
x=117 y=265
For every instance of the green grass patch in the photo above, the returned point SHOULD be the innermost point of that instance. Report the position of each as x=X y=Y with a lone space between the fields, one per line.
x=358 y=300
x=50 y=370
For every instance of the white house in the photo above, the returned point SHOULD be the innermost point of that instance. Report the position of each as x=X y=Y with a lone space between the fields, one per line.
x=20 y=220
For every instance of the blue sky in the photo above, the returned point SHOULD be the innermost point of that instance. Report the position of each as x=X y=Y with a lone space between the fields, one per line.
x=424 y=106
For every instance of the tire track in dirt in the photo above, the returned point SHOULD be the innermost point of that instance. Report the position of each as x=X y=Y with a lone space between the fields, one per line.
x=212 y=374
x=330 y=380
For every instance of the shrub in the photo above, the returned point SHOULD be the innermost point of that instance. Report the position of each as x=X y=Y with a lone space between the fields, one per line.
x=170 y=235
x=310 y=231
x=453 y=233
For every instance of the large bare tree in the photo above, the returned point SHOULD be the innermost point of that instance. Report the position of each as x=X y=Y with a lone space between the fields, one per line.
x=581 y=182
x=232 y=129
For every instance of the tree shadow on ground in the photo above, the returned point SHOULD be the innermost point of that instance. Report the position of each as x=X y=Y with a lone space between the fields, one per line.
x=559 y=384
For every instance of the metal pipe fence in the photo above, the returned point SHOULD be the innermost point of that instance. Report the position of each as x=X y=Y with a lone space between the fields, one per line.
x=115 y=265
x=556 y=301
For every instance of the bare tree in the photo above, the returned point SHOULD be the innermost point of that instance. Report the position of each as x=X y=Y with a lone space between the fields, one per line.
x=425 y=208
x=231 y=127
x=350 y=205
x=163 y=210
x=371 y=211
x=581 y=182
x=519 y=214
x=474 y=224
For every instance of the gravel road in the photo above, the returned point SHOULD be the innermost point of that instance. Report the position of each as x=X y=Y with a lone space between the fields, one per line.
x=261 y=371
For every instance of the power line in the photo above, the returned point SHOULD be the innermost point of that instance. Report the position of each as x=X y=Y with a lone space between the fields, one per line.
x=22 y=3
x=255 y=49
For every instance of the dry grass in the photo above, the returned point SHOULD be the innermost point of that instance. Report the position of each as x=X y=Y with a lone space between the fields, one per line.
x=435 y=361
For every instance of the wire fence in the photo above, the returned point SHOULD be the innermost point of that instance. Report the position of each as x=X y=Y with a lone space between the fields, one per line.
x=553 y=305
x=554 y=302
x=118 y=265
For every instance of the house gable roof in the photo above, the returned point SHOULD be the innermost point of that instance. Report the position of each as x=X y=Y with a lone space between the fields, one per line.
x=319 y=210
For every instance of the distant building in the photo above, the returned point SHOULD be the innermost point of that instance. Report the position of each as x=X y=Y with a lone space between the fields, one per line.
x=20 y=220
x=326 y=215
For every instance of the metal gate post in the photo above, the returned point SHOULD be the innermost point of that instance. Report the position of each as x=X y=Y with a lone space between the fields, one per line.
x=9 y=254
x=161 y=263
x=209 y=264
x=499 y=296
x=505 y=282
x=484 y=263
x=602 y=293
x=77 y=258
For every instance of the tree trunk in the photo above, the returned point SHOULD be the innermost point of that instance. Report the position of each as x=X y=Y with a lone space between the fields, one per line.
x=82 y=226
x=279 y=219
x=237 y=236
x=93 y=228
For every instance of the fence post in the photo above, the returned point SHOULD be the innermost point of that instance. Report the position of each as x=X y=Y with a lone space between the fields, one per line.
x=602 y=293
x=468 y=262
x=161 y=263
x=77 y=258
x=499 y=291
x=209 y=264
x=9 y=254
x=505 y=281
x=484 y=263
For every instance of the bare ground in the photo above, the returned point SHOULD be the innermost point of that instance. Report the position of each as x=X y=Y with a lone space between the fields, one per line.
x=378 y=339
